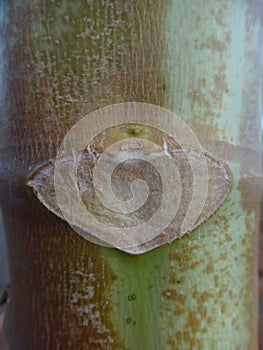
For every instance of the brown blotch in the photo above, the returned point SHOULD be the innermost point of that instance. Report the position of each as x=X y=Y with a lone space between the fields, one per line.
x=179 y=312
x=223 y=308
x=223 y=256
x=179 y=337
x=174 y=279
x=216 y=279
x=193 y=321
x=205 y=296
x=174 y=256
x=209 y=268
x=171 y=342
x=194 y=264
x=186 y=336
x=215 y=44
x=202 y=310
x=195 y=294
x=209 y=321
x=228 y=238
x=171 y=294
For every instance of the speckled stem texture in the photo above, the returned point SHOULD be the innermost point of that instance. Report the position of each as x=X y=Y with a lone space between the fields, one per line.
x=61 y=60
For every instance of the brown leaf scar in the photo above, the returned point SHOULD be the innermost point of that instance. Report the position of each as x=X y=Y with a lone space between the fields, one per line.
x=126 y=170
x=132 y=176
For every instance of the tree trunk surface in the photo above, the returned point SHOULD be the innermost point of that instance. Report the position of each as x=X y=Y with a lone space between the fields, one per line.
x=62 y=60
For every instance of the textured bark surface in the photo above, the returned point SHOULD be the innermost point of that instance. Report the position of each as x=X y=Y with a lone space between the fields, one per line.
x=64 y=59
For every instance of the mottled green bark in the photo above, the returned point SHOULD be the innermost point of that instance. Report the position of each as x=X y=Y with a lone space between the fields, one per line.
x=64 y=59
